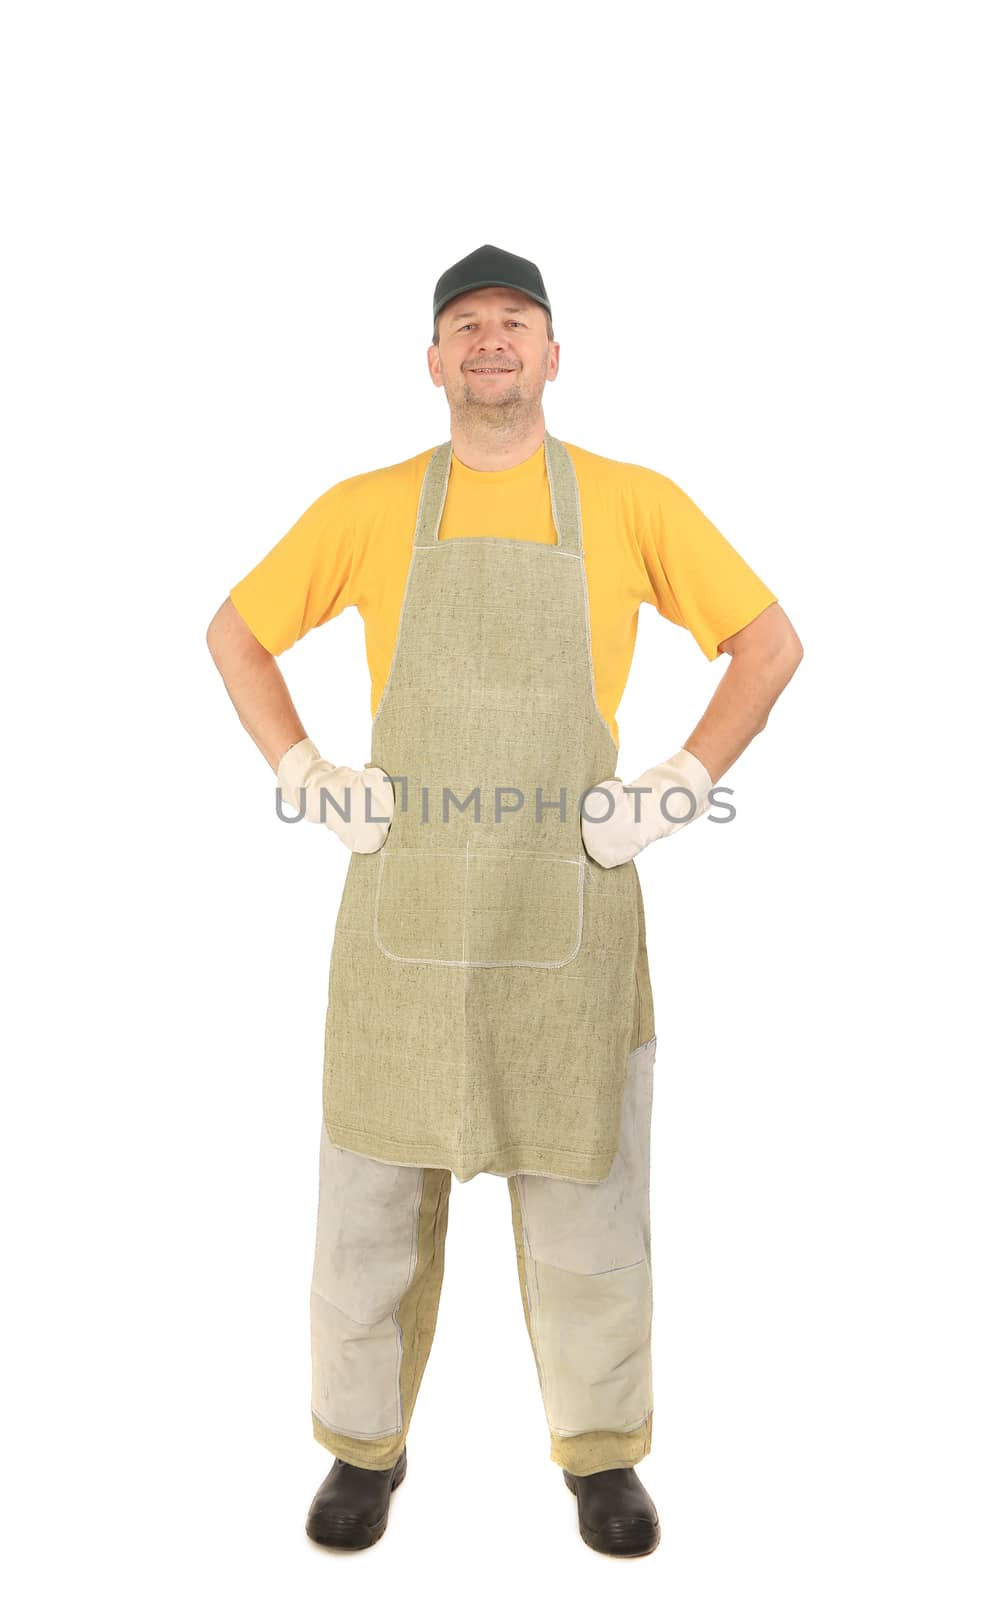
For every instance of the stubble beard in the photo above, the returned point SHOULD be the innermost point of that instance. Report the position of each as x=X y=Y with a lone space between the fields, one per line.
x=514 y=412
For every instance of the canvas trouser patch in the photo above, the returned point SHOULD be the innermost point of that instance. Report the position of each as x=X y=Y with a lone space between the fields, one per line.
x=584 y=1264
x=587 y=1273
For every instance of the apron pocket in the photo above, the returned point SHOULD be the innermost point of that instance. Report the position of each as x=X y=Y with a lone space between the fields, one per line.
x=419 y=904
x=480 y=907
x=523 y=909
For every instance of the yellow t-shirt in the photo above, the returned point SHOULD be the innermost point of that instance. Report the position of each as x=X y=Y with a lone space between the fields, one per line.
x=643 y=540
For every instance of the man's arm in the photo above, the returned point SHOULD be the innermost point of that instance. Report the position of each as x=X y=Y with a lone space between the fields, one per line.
x=263 y=704
x=765 y=656
x=254 y=683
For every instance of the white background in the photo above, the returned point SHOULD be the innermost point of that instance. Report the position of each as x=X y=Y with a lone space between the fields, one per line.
x=768 y=233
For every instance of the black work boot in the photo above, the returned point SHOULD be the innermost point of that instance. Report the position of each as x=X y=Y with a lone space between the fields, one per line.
x=616 y=1514
x=350 y=1509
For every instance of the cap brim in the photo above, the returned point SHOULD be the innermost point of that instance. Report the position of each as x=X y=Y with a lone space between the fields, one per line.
x=488 y=283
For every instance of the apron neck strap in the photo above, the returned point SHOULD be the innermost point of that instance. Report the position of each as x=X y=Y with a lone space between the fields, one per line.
x=561 y=476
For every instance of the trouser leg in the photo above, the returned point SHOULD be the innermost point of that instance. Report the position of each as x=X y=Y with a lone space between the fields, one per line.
x=377 y=1276
x=584 y=1259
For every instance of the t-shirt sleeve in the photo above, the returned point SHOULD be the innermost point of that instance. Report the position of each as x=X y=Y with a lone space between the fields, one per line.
x=304 y=580
x=695 y=577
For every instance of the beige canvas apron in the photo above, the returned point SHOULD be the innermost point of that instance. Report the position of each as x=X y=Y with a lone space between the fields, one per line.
x=488 y=980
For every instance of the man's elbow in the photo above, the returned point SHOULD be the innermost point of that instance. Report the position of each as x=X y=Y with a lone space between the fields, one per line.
x=793 y=654
x=229 y=636
x=781 y=668
x=215 y=634
x=784 y=660
x=768 y=643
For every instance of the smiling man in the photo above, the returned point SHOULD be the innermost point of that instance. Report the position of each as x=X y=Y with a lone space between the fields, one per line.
x=498 y=390
x=489 y=1005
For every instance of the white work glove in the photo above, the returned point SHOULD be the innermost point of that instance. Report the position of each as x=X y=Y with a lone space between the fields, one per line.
x=622 y=835
x=302 y=767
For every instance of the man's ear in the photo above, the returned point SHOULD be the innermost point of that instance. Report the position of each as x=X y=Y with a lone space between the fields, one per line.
x=435 y=366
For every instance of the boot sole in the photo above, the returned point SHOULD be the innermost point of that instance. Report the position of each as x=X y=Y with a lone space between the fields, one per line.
x=641 y=1544
x=359 y=1536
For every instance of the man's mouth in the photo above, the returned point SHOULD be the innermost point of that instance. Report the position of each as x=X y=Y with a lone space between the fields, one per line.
x=490 y=369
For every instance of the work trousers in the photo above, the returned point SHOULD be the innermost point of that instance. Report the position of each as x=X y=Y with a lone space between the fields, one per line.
x=583 y=1255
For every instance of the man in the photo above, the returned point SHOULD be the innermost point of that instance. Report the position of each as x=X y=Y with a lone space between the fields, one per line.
x=489 y=1006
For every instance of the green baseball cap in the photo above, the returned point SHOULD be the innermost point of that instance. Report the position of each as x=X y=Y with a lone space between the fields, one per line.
x=489 y=268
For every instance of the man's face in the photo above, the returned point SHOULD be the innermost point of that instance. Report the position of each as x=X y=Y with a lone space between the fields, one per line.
x=493 y=356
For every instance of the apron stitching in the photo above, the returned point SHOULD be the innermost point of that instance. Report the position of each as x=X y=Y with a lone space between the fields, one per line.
x=458 y=961
x=493 y=538
x=487 y=850
x=565 y=1150
x=592 y=674
x=548 y=453
x=444 y=961
x=397 y=641
x=566 y=469
x=426 y=482
x=428 y=478
x=442 y=489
